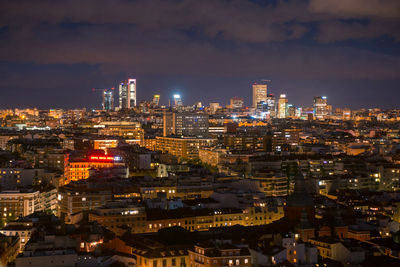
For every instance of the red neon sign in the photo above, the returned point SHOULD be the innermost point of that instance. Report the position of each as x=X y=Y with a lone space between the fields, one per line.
x=109 y=158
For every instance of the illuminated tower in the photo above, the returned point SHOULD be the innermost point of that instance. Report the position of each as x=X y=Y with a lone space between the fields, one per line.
x=271 y=105
x=259 y=94
x=156 y=100
x=282 y=106
x=127 y=94
x=320 y=107
x=108 y=99
x=236 y=103
x=177 y=100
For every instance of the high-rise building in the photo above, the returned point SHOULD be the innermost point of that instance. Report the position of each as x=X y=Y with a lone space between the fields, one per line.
x=259 y=94
x=291 y=112
x=214 y=107
x=108 y=99
x=320 y=107
x=236 y=103
x=156 y=100
x=185 y=124
x=177 y=100
x=127 y=94
x=282 y=106
x=271 y=105
x=346 y=114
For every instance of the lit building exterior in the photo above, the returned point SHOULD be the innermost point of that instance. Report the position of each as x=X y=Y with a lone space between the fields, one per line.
x=128 y=130
x=105 y=144
x=214 y=107
x=177 y=100
x=51 y=158
x=156 y=100
x=78 y=170
x=273 y=186
x=282 y=106
x=73 y=199
x=211 y=156
x=108 y=99
x=236 y=103
x=320 y=107
x=182 y=147
x=271 y=105
x=113 y=216
x=16 y=203
x=127 y=94
x=346 y=114
x=259 y=94
x=185 y=124
x=203 y=220
x=207 y=254
x=21 y=229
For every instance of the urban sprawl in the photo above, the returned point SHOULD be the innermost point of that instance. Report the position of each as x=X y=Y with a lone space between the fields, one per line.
x=147 y=185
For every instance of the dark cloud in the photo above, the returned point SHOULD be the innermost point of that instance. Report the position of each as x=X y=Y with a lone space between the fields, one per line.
x=99 y=41
x=387 y=9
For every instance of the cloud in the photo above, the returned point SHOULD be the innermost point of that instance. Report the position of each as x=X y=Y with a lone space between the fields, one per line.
x=387 y=9
x=291 y=39
x=233 y=20
x=332 y=31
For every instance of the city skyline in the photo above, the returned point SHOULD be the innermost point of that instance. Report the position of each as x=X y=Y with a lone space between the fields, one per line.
x=53 y=54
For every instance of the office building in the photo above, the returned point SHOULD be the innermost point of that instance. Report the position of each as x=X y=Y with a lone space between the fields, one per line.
x=291 y=112
x=108 y=99
x=127 y=94
x=182 y=147
x=282 y=106
x=214 y=107
x=177 y=100
x=156 y=100
x=320 y=107
x=236 y=103
x=185 y=124
x=346 y=114
x=271 y=105
x=259 y=94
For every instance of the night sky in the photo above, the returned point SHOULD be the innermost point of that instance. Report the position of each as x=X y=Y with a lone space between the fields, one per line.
x=54 y=52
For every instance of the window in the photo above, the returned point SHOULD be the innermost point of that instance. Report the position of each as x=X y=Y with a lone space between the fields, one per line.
x=173 y=262
x=164 y=263
x=154 y=263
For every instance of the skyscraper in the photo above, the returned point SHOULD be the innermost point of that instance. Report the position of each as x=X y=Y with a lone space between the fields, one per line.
x=282 y=106
x=177 y=100
x=127 y=94
x=259 y=94
x=108 y=99
x=236 y=102
x=271 y=105
x=156 y=100
x=185 y=124
x=320 y=107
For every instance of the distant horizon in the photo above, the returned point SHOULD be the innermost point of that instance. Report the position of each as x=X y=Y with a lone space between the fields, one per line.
x=53 y=54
